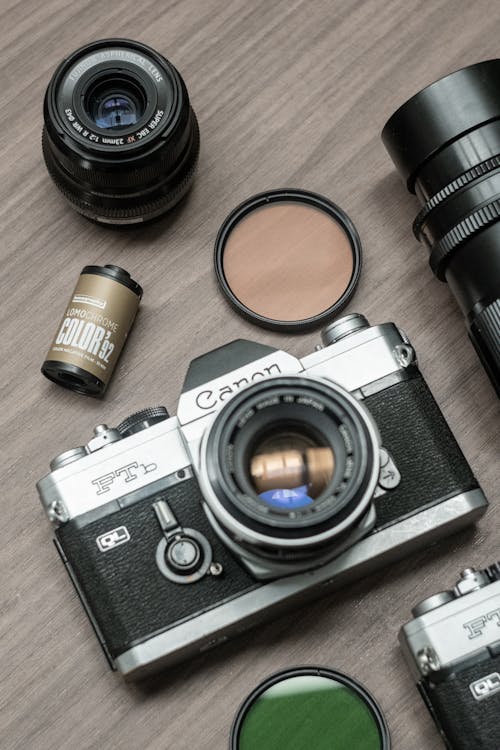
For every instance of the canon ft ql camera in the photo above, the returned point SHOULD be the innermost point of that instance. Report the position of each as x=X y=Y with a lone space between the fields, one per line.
x=278 y=479
x=453 y=649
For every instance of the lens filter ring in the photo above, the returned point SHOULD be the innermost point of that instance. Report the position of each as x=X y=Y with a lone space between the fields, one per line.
x=311 y=707
x=288 y=260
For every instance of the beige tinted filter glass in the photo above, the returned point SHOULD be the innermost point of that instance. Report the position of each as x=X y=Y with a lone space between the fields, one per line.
x=288 y=261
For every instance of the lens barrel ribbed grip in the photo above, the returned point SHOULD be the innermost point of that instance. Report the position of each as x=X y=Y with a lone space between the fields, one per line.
x=485 y=335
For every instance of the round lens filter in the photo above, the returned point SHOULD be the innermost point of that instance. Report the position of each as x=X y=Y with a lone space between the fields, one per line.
x=288 y=260
x=309 y=707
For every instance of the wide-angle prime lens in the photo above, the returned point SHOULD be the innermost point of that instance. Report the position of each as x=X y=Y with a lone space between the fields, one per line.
x=445 y=143
x=120 y=139
x=290 y=465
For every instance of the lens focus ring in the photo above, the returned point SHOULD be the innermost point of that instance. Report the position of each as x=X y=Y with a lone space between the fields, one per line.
x=464 y=230
x=100 y=208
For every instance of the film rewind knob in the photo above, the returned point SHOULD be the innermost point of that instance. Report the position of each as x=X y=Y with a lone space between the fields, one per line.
x=141 y=420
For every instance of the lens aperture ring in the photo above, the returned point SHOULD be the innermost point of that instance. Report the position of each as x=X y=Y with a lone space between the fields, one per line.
x=461 y=232
x=480 y=170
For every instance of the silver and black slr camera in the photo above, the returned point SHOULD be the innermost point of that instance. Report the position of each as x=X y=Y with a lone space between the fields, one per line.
x=278 y=479
x=453 y=648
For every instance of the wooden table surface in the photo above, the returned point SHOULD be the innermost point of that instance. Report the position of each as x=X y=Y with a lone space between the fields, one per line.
x=288 y=93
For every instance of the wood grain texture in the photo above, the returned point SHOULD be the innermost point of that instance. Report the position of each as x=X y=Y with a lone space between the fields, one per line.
x=288 y=93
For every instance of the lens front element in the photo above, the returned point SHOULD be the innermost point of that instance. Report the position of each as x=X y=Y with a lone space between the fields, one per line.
x=289 y=470
x=115 y=104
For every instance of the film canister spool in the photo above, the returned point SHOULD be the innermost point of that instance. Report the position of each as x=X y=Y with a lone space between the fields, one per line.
x=93 y=330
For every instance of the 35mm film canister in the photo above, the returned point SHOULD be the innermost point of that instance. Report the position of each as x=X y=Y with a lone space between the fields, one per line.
x=93 y=330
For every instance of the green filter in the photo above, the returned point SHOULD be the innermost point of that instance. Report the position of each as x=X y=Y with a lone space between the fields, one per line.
x=310 y=709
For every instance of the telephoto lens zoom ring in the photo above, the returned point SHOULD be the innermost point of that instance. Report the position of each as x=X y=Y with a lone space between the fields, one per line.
x=465 y=179
x=461 y=232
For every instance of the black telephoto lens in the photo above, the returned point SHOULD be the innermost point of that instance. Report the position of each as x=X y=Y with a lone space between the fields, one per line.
x=445 y=143
x=120 y=140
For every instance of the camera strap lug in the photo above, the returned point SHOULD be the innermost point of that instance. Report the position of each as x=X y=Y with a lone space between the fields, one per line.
x=57 y=512
x=404 y=354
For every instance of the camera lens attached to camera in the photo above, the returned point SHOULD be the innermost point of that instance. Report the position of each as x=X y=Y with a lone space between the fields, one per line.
x=289 y=467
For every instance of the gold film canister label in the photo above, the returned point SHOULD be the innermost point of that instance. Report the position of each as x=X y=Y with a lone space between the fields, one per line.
x=93 y=330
